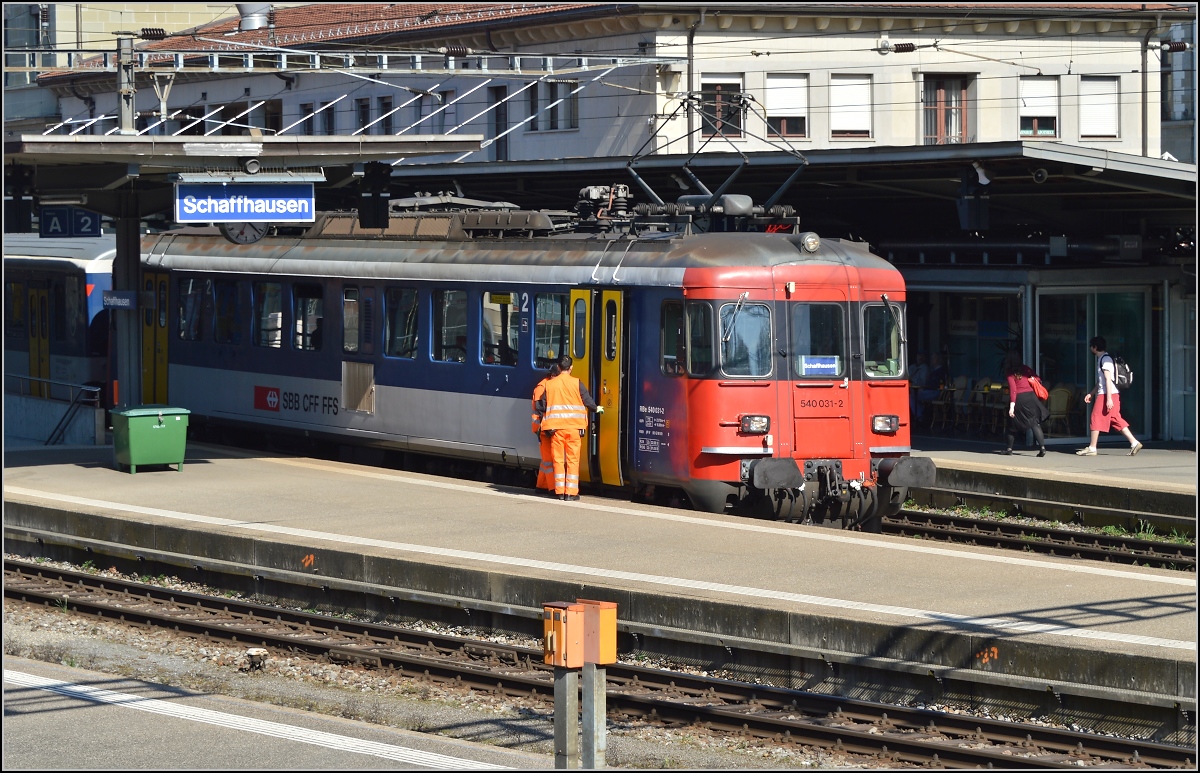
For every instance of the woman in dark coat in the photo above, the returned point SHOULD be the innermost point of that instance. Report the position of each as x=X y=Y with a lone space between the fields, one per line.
x=1025 y=410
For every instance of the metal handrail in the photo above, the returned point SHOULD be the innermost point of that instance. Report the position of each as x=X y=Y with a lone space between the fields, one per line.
x=81 y=394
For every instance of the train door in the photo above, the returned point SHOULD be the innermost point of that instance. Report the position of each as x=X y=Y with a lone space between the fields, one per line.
x=154 y=339
x=358 y=349
x=818 y=329
x=39 y=339
x=598 y=350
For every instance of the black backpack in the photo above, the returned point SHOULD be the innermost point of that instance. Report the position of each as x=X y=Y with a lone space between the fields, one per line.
x=1122 y=374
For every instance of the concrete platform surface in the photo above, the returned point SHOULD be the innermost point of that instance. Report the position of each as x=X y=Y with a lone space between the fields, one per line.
x=302 y=513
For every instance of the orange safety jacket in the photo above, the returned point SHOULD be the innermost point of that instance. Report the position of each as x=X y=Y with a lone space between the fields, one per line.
x=565 y=404
x=538 y=392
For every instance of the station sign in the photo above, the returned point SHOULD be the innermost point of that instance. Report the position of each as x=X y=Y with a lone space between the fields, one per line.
x=120 y=299
x=245 y=203
x=63 y=221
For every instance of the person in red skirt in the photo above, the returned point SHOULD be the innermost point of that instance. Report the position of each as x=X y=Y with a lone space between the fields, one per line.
x=1106 y=412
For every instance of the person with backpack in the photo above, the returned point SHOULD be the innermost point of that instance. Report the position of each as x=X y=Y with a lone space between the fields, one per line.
x=1106 y=412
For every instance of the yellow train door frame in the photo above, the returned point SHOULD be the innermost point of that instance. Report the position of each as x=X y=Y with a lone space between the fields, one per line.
x=154 y=339
x=39 y=339
x=598 y=349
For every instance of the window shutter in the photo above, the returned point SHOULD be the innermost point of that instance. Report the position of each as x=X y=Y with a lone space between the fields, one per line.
x=787 y=96
x=850 y=103
x=1039 y=96
x=1098 y=107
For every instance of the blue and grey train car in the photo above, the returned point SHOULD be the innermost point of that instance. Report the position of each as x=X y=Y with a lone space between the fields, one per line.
x=55 y=325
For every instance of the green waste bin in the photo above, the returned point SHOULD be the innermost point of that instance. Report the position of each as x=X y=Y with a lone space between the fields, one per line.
x=149 y=434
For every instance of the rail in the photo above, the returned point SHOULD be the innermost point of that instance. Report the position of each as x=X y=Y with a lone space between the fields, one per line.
x=78 y=396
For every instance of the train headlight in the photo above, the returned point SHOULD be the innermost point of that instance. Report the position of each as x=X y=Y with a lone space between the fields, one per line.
x=811 y=242
x=755 y=425
x=885 y=423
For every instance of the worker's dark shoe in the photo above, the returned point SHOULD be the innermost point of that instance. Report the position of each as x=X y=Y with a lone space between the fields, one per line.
x=563 y=497
x=572 y=497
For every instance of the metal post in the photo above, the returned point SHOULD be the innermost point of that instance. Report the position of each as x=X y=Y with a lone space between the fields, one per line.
x=126 y=88
x=595 y=711
x=566 y=718
x=127 y=271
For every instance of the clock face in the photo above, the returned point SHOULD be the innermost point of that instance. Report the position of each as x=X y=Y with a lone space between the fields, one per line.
x=244 y=233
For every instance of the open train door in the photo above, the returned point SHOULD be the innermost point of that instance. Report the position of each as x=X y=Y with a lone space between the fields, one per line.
x=598 y=350
x=154 y=340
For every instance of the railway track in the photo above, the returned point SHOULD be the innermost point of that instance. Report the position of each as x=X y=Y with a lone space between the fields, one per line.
x=888 y=733
x=1042 y=539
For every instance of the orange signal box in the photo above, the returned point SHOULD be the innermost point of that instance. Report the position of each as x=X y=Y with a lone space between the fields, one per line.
x=563 y=625
x=599 y=631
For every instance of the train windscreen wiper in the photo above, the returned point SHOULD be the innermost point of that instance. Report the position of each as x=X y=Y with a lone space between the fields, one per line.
x=895 y=317
x=736 y=310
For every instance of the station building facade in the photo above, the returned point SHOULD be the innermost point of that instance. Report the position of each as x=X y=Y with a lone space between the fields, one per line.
x=562 y=88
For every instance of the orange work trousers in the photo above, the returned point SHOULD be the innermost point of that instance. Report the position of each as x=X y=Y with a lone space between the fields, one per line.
x=545 y=478
x=565 y=445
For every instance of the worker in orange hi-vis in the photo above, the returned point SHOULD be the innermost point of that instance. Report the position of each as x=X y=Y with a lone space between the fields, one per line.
x=545 y=477
x=564 y=410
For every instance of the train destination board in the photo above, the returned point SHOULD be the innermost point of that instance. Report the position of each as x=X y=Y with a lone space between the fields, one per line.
x=244 y=203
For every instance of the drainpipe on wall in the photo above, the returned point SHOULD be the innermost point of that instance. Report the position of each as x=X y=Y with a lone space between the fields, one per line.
x=1146 y=87
x=691 y=114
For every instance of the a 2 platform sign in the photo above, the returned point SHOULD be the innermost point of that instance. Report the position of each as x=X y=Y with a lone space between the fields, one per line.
x=62 y=221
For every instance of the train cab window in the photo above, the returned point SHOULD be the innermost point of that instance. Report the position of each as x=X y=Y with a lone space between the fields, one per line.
x=227 y=327
x=350 y=320
x=883 y=340
x=268 y=314
x=450 y=325
x=550 y=328
x=700 y=338
x=191 y=306
x=401 y=320
x=308 y=306
x=672 y=341
x=745 y=334
x=501 y=327
x=818 y=340
x=579 y=329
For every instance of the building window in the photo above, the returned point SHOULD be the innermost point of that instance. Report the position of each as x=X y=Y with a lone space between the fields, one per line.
x=787 y=105
x=1039 y=106
x=850 y=105
x=945 y=101
x=501 y=341
x=565 y=114
x=308 y=307
x=362 y=111
x=308 y=124
x=721 y=105
x=385 y=113
x=534 y=106
x=329 y=119
x=448 y=117
x=1098 y=108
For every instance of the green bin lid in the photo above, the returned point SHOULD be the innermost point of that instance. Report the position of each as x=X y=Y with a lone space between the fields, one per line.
x=152 y=410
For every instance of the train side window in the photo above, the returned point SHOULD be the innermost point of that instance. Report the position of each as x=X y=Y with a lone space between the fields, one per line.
x=401 y=321
x=700 y=339
x=308 y=302
x=550 y=328
x=610 y=331
x=746 y=339
x=228 y=321
x=500 y=327
x=191 y=304
x=818 y=340
x=450 y=325
x=59 y=307
x=579 y=329
x=350 y=320
x=882 y=341
x=672 y=341
x=76 y=308
x=268 y=314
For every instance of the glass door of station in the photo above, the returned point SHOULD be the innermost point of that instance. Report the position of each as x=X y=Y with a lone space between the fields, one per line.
x=1067 y=321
